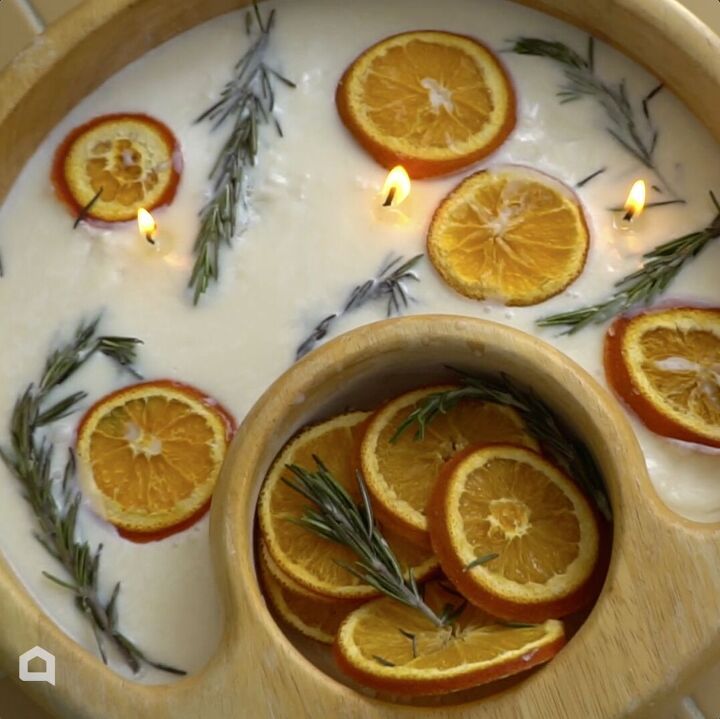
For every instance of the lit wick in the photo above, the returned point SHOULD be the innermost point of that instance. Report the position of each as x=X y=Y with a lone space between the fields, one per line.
x=635 y=202
x=147 y=225
x=396 y=187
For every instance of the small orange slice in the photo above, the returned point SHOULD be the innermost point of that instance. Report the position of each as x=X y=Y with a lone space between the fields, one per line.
x=511 y=234
x=314 y=616
x=150 y=454
x=432 y=101
x=509 y=501
x=401 y=474
x=390 y=647
x=665 y=364
x=131 y=160
x=307 y=558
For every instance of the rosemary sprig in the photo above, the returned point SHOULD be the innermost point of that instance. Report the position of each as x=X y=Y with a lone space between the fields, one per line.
x=583 y=81
x=387 y=284
x=566 y=450
x=56 y=508
x=336 y=517
x=643 y=286
x=248 y=98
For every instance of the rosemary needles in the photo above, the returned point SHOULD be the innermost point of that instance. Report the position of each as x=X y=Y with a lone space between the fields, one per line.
x=388 y=284
x=336 y=517
x=643 y=286
x=55 y=502
x=583 y=81
x=567 y=451
x=248 y=99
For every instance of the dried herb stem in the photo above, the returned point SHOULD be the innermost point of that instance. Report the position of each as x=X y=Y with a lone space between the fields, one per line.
x=388 y=284
x=582 y=81
x=56 y=508
x=642 y=287
x=335 y=516
x=248 y=99
x=567 y=451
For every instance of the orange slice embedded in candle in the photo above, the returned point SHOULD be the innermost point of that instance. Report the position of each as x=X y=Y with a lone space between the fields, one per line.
x=116 y=164
x=150 y=454
x=432 y=101
x=309 y=559
x=511 y=234
x=311 y=614
x=394 y=648
x=665 y=364
x=400 y=474
x=509 y=501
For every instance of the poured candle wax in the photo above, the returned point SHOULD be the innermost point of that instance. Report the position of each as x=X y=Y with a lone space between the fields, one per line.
x=313 y=234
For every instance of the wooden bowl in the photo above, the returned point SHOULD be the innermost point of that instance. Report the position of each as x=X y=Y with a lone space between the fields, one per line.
x=659 y=613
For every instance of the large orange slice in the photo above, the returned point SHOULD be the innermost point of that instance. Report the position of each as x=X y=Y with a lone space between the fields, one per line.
x=309 y=559
x=391 y=647
x=116 y=164
x=431 y=101
x=401 y=472
x=511 y=234
x=665 y=364
x=311 y=614
x=509 y=503
x=150 y=454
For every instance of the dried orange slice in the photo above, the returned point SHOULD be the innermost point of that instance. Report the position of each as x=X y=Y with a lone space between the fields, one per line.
x=301 y=554
x=401 y=474
x=314 y=616
x=508 y=500
x=150 y=454
x=391 y=647
x=131 y=160
x=432 y=101
x=665 y=364
x=511 y=234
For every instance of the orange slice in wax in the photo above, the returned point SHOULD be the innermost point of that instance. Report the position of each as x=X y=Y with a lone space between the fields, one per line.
x=509 y=501
x=665 y=364
x=125 y=161
x=401 y=474
x=432 y=101
x=394 y=648
x=511 y=234
x=150 y=454
x=309 y=559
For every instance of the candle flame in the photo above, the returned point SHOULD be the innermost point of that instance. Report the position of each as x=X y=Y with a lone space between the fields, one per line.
x=635 y=202
x=396 y=187
x=146 y=224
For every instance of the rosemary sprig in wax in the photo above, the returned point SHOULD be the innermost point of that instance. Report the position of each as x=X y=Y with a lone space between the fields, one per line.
x=55 y=502
x=643 y=286
x=583 y=81
x=336 y=517
x=567 y=451
x=249 y=100
x=387 y=284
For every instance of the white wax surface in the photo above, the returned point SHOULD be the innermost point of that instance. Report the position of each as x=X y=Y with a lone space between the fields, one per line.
x=315 y=232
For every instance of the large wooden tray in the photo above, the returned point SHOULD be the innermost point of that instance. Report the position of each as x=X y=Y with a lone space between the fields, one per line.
x=658 y=617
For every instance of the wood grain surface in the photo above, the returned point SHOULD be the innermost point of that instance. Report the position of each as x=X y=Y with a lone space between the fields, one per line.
x=657 y=619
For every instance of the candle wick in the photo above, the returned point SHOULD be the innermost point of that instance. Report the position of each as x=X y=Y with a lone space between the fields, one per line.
x=628 y=216
x=390 y=197
x=149 y=238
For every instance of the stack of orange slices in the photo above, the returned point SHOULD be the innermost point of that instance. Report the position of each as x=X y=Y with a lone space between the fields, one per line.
x=485 y=521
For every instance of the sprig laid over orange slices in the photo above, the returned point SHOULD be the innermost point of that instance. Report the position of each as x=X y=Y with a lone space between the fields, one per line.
x=110 y=167
x=400 y=472
x=665 y=364
x=516 y=538
x=511 y=234
x=310 y=560
x=150 y=454
x=432 y=101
